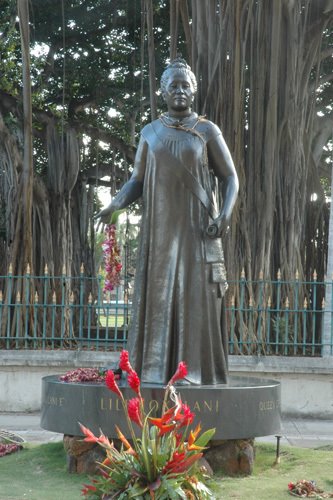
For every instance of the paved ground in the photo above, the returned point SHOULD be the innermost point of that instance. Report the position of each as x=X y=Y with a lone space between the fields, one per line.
x=294 y=432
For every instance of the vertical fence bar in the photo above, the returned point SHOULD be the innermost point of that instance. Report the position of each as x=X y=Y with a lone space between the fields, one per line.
x=9 y=305
x=286 y=327
x=71 y=314
x=26 y=305
x=35 y=311
x=250 y=332
x=241 y=310
x=260 y=309
x=268 y=325
x=90 y=301
x=232 y=324
x=116 y=319
x=304 y=314
x=296 y=311
x=109 y=317
x=63 y=306
x=18 y=320
x=99 y=305
x=81 y=302
x=53 y=315
x=277 y=309
x=314 y=311
x=45 y=301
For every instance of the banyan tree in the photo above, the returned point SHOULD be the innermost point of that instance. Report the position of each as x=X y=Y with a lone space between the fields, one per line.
x=264 y=70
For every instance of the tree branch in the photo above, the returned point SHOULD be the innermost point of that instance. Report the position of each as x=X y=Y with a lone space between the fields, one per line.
x=127 y=151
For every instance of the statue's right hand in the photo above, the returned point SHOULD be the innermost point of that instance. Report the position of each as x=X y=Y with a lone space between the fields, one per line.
x=105 y=215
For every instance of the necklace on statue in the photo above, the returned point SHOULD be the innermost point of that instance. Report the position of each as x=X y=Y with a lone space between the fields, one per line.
x=187 y=123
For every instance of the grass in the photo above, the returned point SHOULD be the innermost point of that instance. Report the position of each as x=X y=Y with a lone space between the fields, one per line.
x=270 y=481
x=111 y=321
x=39 y=473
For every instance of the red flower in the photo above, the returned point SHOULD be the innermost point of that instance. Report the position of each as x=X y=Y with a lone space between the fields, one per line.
x=181 y=372
x=124 y=363
x=291 y=486
x=179 y=463
x=179 y=437
x=111 y=383
x=87 y=488
x=167 y=418
x=90 y=436
x=133 y=410
x=184 y=416
x=134 y=381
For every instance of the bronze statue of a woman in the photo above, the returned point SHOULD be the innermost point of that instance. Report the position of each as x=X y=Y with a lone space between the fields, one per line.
x=180 y=277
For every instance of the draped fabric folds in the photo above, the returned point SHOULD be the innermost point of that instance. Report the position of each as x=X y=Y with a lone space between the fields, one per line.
x=178 y=297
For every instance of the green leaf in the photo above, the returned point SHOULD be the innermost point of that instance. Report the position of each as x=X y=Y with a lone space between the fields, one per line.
x=136 y=491
x=146 y=457
x=205 y=437
x=170 y=489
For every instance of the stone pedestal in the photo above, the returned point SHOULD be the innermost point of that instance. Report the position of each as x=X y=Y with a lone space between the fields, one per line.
x=81 y=456
x=242 y=409
x=239 y=411
x=232 y=457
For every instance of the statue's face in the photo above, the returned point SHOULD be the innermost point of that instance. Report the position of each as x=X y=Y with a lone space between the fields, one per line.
x=179 y=91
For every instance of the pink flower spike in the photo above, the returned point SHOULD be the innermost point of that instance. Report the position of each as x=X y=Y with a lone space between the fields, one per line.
x=124 y=363
x=133 y=409
x=180 y=373
x=134 y=381
x=90 y=436
x=111 y=383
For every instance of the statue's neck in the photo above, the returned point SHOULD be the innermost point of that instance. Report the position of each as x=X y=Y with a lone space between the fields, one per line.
x=178 y=115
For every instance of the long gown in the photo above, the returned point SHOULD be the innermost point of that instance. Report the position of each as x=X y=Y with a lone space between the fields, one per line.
x=180 y=278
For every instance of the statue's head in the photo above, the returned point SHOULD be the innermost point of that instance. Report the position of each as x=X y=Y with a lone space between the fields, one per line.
x=181 y=66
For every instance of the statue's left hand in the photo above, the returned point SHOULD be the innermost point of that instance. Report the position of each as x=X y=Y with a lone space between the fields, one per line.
x=219 y=227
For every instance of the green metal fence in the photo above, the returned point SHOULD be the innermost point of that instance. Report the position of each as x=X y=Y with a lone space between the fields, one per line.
x=280 y=317
x=63 y=312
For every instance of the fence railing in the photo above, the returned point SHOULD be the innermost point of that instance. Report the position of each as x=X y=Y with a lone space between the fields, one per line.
x=63 y=312
x=280 y=317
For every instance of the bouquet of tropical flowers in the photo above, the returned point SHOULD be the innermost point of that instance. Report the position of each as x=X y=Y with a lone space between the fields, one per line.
x=307 y=489
x=161 y=464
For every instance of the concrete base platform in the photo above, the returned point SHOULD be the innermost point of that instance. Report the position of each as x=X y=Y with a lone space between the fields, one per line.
x=244 y=408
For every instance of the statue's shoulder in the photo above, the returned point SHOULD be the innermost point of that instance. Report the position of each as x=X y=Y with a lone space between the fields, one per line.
x=149 y=129
x=208 y=128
